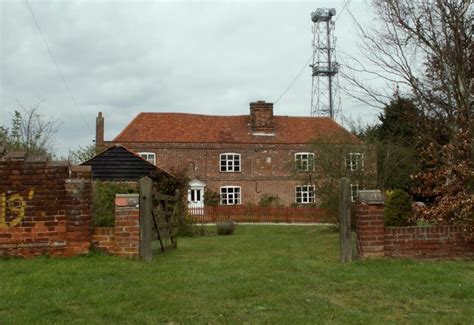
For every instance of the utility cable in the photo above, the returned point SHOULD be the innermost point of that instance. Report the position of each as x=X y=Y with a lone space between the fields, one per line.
x=295 y=79
x=57 y=66
x=347 y=2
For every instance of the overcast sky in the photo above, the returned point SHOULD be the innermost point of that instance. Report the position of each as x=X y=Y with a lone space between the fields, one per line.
x=126 y=57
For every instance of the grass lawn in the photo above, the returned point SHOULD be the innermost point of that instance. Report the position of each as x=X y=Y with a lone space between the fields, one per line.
x=272 y=274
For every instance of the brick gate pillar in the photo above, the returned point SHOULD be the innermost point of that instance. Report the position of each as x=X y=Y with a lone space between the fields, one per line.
x=370 y=226
x=127 y=227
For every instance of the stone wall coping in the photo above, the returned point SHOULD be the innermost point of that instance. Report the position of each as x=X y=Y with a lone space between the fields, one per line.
x=15 y=155
x=372 y=197
x=80 y=169
x=130 y=195
x=126 y=200
x=423 y=227
x=36 y=159
x=77 y=180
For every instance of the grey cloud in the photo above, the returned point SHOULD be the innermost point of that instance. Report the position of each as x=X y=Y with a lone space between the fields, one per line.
x=123 y=57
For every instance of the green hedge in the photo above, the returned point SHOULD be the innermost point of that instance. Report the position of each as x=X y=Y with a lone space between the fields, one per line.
x=398 y=211
x=103 y=201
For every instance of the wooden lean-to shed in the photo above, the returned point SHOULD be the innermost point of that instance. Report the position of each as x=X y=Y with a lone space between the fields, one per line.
x=117 y=163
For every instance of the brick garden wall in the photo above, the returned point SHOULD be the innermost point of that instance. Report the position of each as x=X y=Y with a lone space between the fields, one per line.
x=427 y=242
x=434 y=242
x=103 y=238
x=44 y=208
x=370 y=229
x=123 y=239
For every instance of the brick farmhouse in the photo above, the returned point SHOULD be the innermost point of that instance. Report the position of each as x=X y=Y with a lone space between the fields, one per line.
x=242 y=158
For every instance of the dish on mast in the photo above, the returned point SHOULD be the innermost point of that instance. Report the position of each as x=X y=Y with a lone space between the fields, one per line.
x=322 y=14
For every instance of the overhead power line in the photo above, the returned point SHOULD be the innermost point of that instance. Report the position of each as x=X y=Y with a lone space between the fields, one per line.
x=346 y=3
x=57 y=66
x=305 y=66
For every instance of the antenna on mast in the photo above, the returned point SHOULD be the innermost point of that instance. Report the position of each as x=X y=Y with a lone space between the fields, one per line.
x=324 y=65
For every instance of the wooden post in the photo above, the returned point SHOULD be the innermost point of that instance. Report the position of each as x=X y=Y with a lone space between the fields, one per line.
x=145 y=249
x=345 y=220
x=179 y=209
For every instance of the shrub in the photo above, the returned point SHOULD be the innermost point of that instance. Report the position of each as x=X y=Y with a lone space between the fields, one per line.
x=268 y=200
x=103 y=201
x=169 y=185
x=398 y=209
x=211 y=198
x=186 y=226
x=225 y=227
x=306 y=205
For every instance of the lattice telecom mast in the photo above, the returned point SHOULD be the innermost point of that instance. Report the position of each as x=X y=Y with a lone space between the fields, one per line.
x=324 y=66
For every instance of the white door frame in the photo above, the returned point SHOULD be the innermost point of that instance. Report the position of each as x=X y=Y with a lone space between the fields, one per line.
x=196 y=194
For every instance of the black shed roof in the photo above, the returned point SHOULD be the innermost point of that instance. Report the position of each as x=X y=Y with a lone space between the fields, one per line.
x=117 y=163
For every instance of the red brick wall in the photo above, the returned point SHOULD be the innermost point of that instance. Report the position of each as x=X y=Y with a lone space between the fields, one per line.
x=370 y=230
x=435 y=242
x=123 y=239
x=259 y=176
x=127 y=225
x=427 y=242
x=44 y=208
x=103 y=238
x=266 y=168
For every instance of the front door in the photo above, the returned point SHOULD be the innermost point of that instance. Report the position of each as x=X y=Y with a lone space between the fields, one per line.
x=196 y=194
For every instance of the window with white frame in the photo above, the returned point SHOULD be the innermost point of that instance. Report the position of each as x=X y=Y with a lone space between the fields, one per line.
x=354 y=161
x=231 y=195
x=304 y=161
x=354 y=192
x=304 y=194
x=195 y=195
x=230 y=162
x=148 y=156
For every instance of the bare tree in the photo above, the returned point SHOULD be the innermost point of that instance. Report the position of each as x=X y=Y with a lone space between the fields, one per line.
x=31 y=132
x=420 y=48
x=329 y=160
x=3 y=140
x=82 y=154
x=423 y=49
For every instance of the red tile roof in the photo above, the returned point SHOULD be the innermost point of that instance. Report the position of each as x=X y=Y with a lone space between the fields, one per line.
x=195 y=128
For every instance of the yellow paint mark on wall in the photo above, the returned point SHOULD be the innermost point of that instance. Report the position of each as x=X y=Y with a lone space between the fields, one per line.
x=16 y=205
x=3 y=208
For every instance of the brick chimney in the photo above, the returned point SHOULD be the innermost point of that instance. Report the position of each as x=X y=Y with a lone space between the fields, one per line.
x=261 y=117
x=99 y=132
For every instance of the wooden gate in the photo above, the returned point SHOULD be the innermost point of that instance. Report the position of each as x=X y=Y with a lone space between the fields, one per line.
x=159 y=215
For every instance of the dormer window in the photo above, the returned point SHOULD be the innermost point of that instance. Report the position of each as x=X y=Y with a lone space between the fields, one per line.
x=148 y=156
x=230 y=162
x=304 y=161
x=354 y=161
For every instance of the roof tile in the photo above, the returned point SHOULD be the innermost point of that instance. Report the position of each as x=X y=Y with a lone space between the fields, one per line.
x=195 y=128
